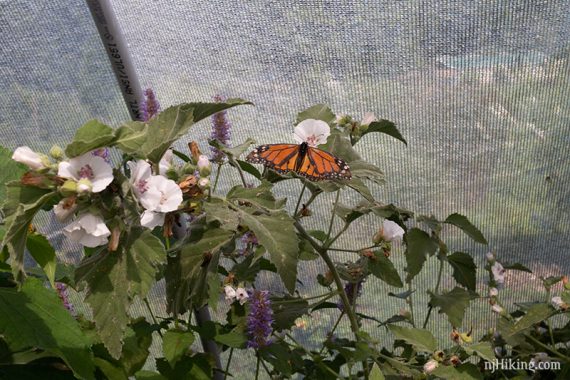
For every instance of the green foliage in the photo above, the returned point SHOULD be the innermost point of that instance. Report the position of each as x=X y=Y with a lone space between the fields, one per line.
x=44 y=254
x=318 y=112
x=464 y=224
x=386 y=127
x=35 y=318
x=10 y=170
x=418 y=246
x=453 y=304
x=175 y=344
x=464 y=269
x=90 y=136
x=421 y=339
x=381 y=267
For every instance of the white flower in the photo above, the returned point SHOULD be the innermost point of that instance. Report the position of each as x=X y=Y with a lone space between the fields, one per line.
x=391 y=231
x=539 y=357
x=165 y=162
x=230 y=293
x=490 y=256
x=497 y=308
x=557 y=302
x=430 y=366
x=88 y=168
x=64 y=209
x=313 y=132
x=89 y=230
x=241 y=295
x=151 y=219
x=170 y=194
x=28 y=157
x=493 y=292
x=498 y=272
x=140 y=175
x=368 y=118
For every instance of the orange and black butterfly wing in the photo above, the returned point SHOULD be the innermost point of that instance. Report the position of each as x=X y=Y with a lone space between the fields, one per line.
x=320 y=165
x=279 y=157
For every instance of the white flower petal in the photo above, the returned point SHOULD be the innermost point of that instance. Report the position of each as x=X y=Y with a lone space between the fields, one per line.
x=313 y=132
x=62 y=211
x=165 y=162
x=89 y=230
x=391 y=231
x=171 y=194
x=230 y=292
x=88 y=166
x=151 y=219
x=368 y=118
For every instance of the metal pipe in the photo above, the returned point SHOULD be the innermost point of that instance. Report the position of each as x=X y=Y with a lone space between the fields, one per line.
x=118 y=53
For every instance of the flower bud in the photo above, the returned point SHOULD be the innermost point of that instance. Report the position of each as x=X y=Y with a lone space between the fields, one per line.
x=65 y=209
x=430 y=366
x=493 y=292
x=84 y=186
x=204 y=166
x=28 y=157
x=204 y=183
x=405 y=313
x=56 y=152
x=558 y=303
x=490 y=256
x=497 y=309
x=69 y=187
x=439 y=355
x=390 y=231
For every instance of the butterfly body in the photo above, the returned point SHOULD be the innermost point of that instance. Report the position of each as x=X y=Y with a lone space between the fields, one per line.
x=312 y=163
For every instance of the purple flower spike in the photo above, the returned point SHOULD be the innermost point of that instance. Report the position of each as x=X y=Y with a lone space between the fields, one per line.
x=350 y=289
x=220 y=131
x=149 y=106
x=259 y=319
x=62 y=293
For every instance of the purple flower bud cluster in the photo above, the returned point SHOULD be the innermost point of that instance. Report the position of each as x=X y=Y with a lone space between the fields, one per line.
x=220 y=131
x=62 y=293
x=353 y=290
x=259 y=319
x=149 y=106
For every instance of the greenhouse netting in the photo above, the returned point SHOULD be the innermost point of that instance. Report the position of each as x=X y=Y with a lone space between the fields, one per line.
x=477 y=94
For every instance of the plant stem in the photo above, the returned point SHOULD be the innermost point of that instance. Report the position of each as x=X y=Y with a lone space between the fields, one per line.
x=265 y=368
x=240 y=174
x=332 y=216
x=257 y=367
x=329 y=243
x=552 y=350
x=411 y=304
x=217 y=177
x=333 y=329
x=311 y=199
x=228 y=363
x=435 y=291
x=299 y=200
x=151 y=314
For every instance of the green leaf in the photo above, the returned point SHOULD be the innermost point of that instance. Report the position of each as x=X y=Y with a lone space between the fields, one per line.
x=277 y=234
x=175 y=344
x=111 y=371
x=318 y=234
x=464 y=269
x=381 y=267
x=233 y=152
x=107 y=294
x=35 y=317
x=365 y=170
x=10 y=170
x=144 y=256
x=340 y=146
x=286 y=310
x=317 y=112
x=44 y=254
x=482 y=349
x=90 y=136
x=517 y=266
x=149 y=375
x=260 y=197
x=249 y=168
x=22 y=204
x=218 y=210
x=535 y=314
x=421 y=339
x=463 y=371
x=418 y=246
x=376 y=373
x=385 y=126
x=359 y=186
x=402 y=295
x=453 y=304
x=138 y=338
x=464 y=224
x=131 y=136
x=235 y=339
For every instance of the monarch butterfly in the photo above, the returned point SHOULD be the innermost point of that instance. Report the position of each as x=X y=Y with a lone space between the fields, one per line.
x=312 y=163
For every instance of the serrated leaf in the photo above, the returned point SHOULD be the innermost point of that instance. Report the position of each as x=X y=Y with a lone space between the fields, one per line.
x=36 y=317
x=421 y=339
x=277 y=234
x=535 y=314
x=21 y=205
x=365 y=170
x=90 y=136
x=138 y=339
x=361 y=188
x=144 y=254
x=340 y=146
x=235 y=339
x=376 y=373
x=249 y=168
x=130 y=136
x=233 y=152
x=386 y=127
x=318 y=234
x=218 y=210
x=464 y=269
x=465 y=225
x=286 y=310
x=418 y=246
x=317 y=112
x=176 y=343
x=10 y=170
x=108 y=296
x=453 y=304
x=463 y=371
x=44 y=254
x=381 y=267
x=482 y=349
x=260 y=197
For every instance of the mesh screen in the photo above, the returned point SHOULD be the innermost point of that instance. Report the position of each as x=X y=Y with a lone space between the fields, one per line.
x=480 y=89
